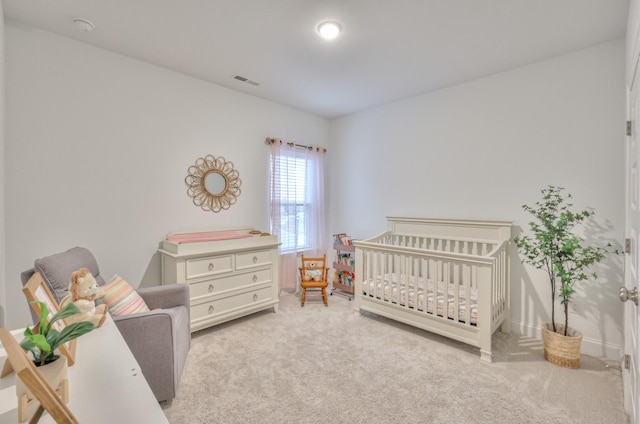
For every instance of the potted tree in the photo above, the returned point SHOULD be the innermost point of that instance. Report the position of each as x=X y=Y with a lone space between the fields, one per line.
x=555 y=248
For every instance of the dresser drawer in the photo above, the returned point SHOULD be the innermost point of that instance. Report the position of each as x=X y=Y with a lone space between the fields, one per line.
x=212 y=265
x=223 y=284
x=253 y=259
x=229 y=303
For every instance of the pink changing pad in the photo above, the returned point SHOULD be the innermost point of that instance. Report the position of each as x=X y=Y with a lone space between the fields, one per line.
x=208 y=236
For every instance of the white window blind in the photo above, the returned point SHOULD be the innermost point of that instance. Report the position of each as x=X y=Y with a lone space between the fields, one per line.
x=296 y=204
x=289 y=187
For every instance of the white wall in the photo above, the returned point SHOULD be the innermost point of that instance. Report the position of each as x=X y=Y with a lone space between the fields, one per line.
x=98 y=146
x=633 y=26
x=3 y=268
x=484 y=148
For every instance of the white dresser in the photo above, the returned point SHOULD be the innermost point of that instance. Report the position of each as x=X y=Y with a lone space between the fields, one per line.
x=228 y=278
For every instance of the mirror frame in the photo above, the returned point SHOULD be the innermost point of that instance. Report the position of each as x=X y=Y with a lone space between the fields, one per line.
x=196 y=183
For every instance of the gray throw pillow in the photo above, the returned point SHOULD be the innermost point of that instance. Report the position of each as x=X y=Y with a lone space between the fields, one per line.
x=56 y=269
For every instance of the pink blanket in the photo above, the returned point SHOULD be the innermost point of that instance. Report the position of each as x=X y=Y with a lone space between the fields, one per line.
x=208 y=236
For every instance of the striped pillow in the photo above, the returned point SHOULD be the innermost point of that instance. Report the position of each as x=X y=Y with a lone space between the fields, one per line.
x=122 y=299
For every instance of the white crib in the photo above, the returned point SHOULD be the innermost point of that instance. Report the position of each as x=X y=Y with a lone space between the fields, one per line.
x=447 y=276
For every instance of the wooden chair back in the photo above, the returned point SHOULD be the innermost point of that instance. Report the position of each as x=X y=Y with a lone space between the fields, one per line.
x=321 y=265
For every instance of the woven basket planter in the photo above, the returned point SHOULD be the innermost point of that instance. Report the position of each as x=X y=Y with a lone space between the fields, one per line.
x=559 y=349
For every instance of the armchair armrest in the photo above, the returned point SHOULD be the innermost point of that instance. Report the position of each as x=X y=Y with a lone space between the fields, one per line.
x=151 y=337
x=167 y=296
x=146 y=328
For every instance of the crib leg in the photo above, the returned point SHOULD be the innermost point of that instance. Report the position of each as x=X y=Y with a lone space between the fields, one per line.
x=486 y=353
x=506 y=326
x=486 y=356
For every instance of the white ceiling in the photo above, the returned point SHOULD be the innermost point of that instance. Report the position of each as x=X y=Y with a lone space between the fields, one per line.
x=389 y=49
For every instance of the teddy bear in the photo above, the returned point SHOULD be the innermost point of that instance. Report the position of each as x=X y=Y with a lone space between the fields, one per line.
x=83 y=292
x=311 y=272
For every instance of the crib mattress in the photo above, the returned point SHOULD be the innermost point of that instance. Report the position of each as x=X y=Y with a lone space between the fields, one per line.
x=389 y=290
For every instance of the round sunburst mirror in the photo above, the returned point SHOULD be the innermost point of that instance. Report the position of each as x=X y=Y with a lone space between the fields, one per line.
x=213 y=183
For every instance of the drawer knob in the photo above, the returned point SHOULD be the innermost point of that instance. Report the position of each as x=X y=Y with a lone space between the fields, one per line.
x=255 y=259
x=255 y=297
x=211 y=309
x=210 y=288
x=255 y=278
x=210 y=266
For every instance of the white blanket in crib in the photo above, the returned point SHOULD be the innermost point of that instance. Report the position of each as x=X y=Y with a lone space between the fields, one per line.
x=391 y=292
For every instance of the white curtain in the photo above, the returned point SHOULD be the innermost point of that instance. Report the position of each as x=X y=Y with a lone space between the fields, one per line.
x=296 y=205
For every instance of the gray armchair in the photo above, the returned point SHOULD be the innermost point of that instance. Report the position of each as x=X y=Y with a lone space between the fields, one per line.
x=159 y=339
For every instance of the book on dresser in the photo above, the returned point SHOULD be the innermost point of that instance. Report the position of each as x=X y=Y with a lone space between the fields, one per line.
x=231 y=273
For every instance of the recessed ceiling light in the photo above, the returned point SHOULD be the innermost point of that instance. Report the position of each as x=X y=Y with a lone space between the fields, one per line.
x=83 y=25
x=329 y=30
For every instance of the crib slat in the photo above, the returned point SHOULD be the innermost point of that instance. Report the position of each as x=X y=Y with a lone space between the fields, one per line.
x=474 y=286
x=423 y=274
x=467 y=294
x=375 y=274
x=456 y=292
x=372 y=255
x=430 y=277
x=407 y=264
x=437 y=287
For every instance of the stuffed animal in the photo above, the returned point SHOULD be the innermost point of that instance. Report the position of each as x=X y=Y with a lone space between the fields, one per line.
x=311 y=272
x=83 y=291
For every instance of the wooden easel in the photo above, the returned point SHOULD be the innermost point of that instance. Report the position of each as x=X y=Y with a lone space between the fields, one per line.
x=7 y=368
x=30 y=376
x=36 y=290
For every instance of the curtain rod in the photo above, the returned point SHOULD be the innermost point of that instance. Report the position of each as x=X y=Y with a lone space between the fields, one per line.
x=271 y=140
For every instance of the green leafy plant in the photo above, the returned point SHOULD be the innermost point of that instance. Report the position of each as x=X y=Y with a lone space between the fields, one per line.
x=43 y=344
x=555 y=248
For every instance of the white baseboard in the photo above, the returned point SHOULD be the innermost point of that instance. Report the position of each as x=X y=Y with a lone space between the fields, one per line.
x=591 y=347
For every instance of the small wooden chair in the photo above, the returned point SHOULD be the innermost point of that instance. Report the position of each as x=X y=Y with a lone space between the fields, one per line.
x=314 y=266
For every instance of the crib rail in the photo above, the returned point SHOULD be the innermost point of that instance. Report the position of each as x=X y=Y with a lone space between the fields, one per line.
x=470 y=250
x=466 y=246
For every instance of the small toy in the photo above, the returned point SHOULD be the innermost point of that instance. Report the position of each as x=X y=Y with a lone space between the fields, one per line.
x=311 y=272
x=83 y=291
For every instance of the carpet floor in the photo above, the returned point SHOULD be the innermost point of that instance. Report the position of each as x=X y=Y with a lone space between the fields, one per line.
x=320 y=364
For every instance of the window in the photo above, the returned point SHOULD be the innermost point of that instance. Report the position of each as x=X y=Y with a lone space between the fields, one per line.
x=296 y=197
x=289 y=186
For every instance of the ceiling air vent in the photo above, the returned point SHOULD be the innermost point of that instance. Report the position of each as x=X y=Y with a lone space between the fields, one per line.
x=247 y=80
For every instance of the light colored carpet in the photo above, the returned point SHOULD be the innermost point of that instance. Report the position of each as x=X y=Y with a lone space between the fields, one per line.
x=322 y=364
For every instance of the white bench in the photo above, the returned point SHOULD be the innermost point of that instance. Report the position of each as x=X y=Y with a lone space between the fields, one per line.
x=106 y=385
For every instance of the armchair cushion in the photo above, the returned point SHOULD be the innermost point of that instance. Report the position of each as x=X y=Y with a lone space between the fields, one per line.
x=57 y=269
x=122 y=299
